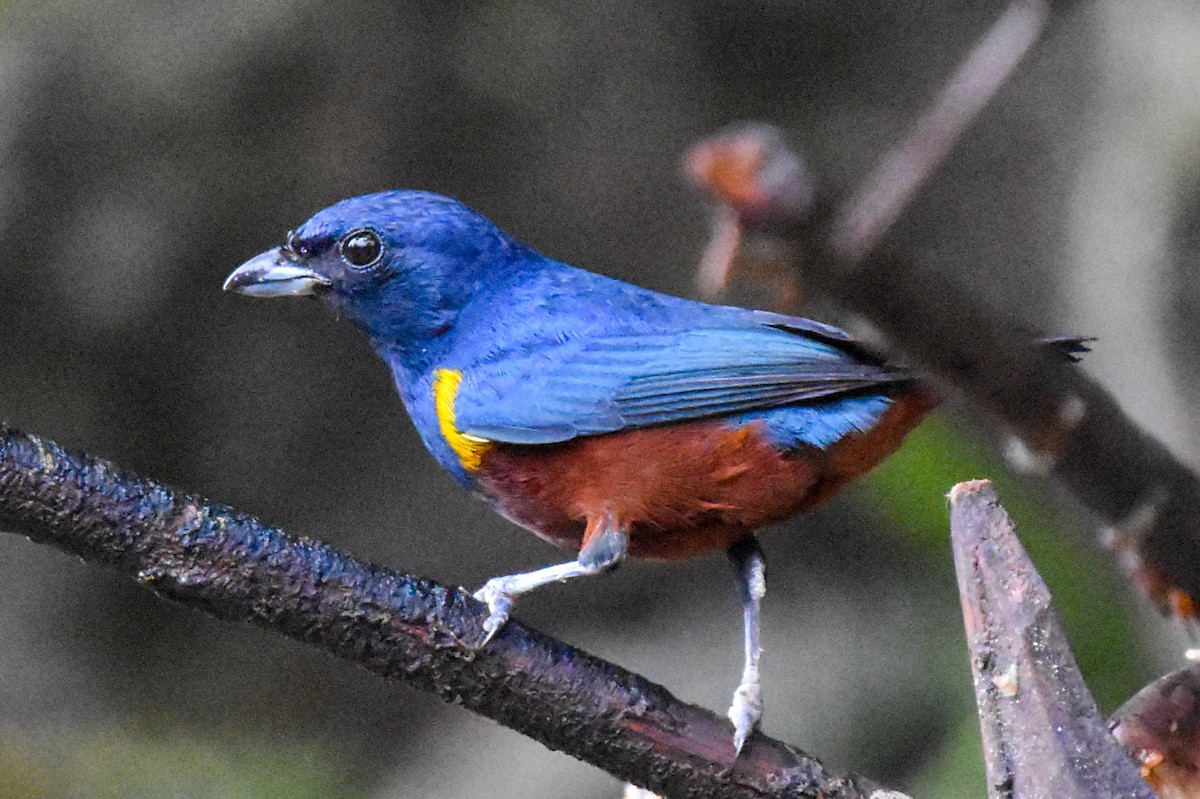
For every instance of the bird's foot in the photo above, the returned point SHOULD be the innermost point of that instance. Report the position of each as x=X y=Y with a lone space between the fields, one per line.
x=499 y=599
x=746 y=711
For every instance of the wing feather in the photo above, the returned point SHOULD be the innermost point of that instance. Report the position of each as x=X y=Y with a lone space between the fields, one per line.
x=559 y=390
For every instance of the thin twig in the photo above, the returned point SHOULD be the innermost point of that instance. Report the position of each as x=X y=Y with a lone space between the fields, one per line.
x=874 y=208
x=401 y=627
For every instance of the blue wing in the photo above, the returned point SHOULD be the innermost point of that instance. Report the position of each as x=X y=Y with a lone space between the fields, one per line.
x=600 y=383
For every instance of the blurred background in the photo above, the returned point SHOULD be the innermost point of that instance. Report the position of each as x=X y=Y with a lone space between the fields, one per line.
x=146 y=149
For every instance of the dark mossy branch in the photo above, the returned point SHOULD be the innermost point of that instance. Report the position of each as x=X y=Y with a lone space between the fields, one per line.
x=401 y=627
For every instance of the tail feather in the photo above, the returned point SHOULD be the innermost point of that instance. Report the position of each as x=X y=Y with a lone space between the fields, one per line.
x=1071 y=348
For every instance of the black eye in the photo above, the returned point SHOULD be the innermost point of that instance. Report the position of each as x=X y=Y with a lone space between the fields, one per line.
x=361 y=248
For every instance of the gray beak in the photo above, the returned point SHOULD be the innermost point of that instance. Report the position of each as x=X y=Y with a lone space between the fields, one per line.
x=273 y=274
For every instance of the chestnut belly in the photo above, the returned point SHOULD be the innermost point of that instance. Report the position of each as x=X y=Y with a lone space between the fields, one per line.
x=682 y=490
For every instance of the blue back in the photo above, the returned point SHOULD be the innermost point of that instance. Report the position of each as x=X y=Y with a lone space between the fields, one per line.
x=548 y=352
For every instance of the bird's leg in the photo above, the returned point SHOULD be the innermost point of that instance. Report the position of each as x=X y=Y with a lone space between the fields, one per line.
x=606 y=543
x=750 y=571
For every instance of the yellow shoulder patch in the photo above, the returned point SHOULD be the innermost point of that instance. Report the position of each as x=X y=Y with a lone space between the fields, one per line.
x=469 y=449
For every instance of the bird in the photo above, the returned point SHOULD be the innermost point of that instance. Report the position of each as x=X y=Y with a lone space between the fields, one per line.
x=608 y=419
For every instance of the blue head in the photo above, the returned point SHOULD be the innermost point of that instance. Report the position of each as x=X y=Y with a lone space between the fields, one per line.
x=400 y=265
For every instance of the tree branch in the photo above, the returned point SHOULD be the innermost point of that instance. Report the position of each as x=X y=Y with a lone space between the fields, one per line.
x=1042 y=732
x=1160 y=727
x=1070 y=426
x=1066 y=424
x=870 y=213
x=401 y=627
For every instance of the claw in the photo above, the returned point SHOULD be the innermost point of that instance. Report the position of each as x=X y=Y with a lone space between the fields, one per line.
x=499 y=602
x=604 y=552
x=745 y=712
